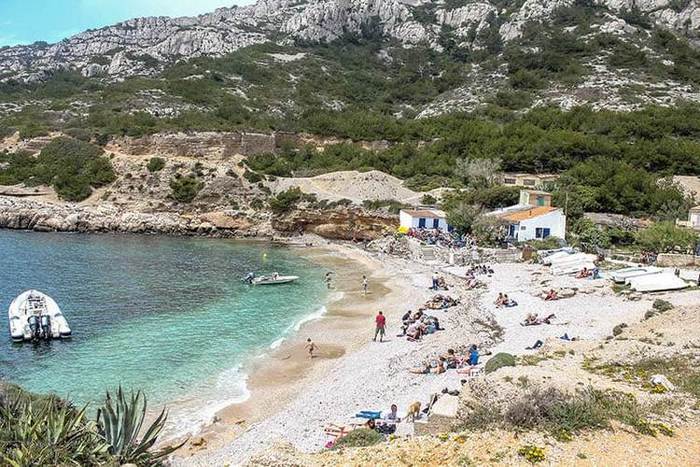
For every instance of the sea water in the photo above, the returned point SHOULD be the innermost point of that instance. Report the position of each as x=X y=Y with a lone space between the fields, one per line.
x=168 y=316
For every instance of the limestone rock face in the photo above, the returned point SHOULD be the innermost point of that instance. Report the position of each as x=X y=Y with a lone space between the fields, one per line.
x=144 y=46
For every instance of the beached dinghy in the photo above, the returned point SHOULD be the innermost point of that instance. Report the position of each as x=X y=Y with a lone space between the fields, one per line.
x=273 y=279
x=34 y=316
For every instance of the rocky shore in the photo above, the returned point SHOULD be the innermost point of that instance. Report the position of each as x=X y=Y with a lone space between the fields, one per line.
x=22 y=214
x=43 y=216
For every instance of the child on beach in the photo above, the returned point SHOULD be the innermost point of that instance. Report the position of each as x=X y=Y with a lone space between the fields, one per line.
x=364 y=285
x=380 y=323
x=310 y=347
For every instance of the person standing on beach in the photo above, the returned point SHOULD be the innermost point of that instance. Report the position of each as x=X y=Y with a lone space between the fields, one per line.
x=380 y=324
x=364 y=285
x=435 y=280
x=328 y=279
x=310 y=347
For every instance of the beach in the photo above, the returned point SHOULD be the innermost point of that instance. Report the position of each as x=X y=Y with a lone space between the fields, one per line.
x=294 y=397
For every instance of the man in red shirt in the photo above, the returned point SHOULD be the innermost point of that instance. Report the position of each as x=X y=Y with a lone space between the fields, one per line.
x=380 y=321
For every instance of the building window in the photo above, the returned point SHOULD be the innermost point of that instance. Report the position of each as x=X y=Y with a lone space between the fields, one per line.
x=522 y=227
x=542 y=232
x=509 y=181
x=529 y=182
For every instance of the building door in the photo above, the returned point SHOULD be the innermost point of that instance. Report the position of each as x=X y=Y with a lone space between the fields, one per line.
x=421 y=222
x=436 y=223
x=540 y=200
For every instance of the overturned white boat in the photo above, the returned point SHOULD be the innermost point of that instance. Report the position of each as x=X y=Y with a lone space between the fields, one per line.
x=657 y=282
x=273 y=279
x=622 y=276
x=573 y=263
x=35 y=316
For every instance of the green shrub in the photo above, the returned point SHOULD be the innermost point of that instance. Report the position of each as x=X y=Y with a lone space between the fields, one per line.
x=362 y=437
x=289 y=199
x=252 y=177
x=428 y=199
x=155 y=164
x=662 y=305
x=390 y=205
x=665 y=237
x=71 y=166
x=561 y=414
x=617 y=330
x=6 y=131
x=185 y=189
x=499 y=360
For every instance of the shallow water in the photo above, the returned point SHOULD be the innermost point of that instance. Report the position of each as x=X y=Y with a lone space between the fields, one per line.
x=166 y=315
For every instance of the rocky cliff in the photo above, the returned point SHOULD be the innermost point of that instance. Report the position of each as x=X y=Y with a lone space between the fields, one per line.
x=147 y=45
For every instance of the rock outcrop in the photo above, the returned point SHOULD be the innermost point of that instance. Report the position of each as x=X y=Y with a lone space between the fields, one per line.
x=144 y=46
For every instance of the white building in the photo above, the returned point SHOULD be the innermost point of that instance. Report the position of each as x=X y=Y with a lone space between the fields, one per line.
x=534 y=218
x=423 y=218
x=694 y=218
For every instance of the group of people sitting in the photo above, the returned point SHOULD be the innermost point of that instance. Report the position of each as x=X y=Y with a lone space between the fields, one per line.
x=383 y=423
x=480 y=269
x=418 y=324
x=441 y=302
x=533 y=319
x=504 y=301
x=451 y=360
x=441 y=238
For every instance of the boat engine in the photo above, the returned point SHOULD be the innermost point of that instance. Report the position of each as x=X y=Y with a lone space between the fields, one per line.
x=46 y=326
x=34 y=327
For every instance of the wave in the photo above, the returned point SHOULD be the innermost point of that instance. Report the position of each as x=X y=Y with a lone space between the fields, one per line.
x=190 y=417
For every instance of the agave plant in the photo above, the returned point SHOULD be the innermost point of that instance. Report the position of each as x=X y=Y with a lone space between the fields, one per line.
x=120 y=421
x=47 y=431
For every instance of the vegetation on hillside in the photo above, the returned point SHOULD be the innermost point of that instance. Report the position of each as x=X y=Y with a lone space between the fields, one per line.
x=71 y=166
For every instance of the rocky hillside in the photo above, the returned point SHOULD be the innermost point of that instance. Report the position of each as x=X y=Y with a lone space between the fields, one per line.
x=275 y=63
x=146 y=45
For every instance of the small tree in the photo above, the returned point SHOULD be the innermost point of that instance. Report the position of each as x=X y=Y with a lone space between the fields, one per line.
x=588 y=236
x=478 y=172
x=462 y=216
x=489 y=230
x=185 y=188
x=664 y=237
x=155 y=164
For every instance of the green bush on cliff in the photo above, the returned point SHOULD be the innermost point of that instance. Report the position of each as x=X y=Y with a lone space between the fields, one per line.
x=499 y=361
x=185 y=189
x=72 y=167
x=289 y=199
x=155 y=164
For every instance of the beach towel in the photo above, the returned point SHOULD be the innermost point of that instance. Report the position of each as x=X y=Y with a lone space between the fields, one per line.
x=369 y=415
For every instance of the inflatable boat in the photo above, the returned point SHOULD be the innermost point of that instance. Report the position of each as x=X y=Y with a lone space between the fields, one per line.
x=35 y=316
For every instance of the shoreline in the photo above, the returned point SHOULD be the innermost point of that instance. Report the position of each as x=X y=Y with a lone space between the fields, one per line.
x=274 y=377
x=292 y=399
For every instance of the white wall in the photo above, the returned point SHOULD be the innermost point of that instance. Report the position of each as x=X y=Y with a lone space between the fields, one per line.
x=694 y=219
x=408 y=221
x=555 y=221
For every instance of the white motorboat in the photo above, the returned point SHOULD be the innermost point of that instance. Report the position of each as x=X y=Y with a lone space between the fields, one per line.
x=273 y=279
x=34 y=316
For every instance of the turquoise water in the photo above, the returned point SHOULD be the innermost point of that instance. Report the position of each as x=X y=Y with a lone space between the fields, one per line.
x=166 y=315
